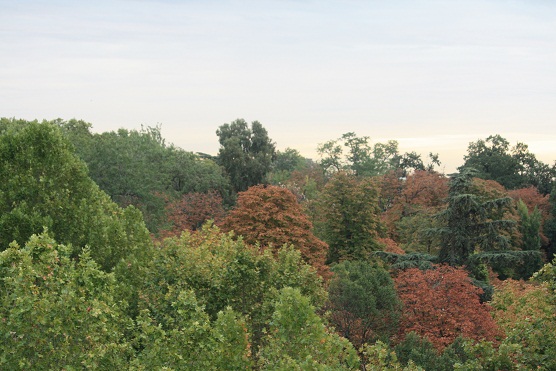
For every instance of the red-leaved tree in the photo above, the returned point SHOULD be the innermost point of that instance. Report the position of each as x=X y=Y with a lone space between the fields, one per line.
x=271 y=216
x=192 y=210
x=442 y=304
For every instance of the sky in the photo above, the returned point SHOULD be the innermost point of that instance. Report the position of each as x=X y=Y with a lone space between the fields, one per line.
x=434 y=75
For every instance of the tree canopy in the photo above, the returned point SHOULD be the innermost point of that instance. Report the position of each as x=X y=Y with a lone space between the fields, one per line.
x=246 y=153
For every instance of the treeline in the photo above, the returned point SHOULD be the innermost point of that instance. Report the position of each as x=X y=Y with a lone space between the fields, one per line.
x=121 y=251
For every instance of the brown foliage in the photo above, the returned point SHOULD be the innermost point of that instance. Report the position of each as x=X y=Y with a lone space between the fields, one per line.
x=271 y=216
x=531 y=197
x=390 y=245
x=420 y=190
x=442 y=304
x=192 y=210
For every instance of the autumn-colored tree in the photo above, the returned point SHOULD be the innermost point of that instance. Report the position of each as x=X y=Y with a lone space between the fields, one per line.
x=192 y=210
x=422 y=193
x=271 y=216
x=441 y=304
x=532 y=198
x=350 y=212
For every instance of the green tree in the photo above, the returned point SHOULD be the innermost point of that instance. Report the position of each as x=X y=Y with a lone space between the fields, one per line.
x=44 y=185
x=550 y=225
x=525 y=312
x=224 y=272
x=529 y=226
x=361 y=158
x=58 y=312
x=470 y=223
x=350 y=213
x=137 y=167
x=182 y=337
x=513 y=167
x=299 y=339
x=363 y=302
x=246 y=153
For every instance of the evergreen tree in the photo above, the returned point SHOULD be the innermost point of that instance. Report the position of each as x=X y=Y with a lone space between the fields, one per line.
x=470 y=223
x=550 y=226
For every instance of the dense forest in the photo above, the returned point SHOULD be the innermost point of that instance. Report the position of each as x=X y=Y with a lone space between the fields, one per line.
x=121 y=251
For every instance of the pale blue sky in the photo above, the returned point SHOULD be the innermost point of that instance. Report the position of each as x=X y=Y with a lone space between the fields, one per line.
x=434 y=75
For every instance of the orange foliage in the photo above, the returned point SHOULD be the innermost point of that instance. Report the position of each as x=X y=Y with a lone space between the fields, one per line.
x=390 y=245
x=420 y=190
x=271 y=216
x=442 y=304
x=192 y=210
x=531 y=197
x=489 y=189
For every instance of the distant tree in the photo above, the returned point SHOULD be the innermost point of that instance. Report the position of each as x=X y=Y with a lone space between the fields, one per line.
x=364 y=159
x=471 y=223
x=361 y=158
x=271 y=216
x=415 y=198
x=351 y=217
x=550 y=226
x=513 y=167
x=529 y=226
x=246 y=153
x=363 y=302
x=138 y=167
x=192 y=210
x=442 y=304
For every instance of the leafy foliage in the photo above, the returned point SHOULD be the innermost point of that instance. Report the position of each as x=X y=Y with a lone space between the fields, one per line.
x=224 y=272
x=246 y=153
x=471 y=223
x=351 y=222
x=441 y=304
x=513 y=167
x=44 y=185
x=270 y=216
x=57 y=312
x=299 y=340
x=526 y=313
x=363 y=302
x=192 y=210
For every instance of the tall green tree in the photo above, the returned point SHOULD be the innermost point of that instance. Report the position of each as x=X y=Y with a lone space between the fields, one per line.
x=224 y=272
x=470 y=223
x=513 y=167
x=361 y=157
x=529 y=226
x=43 y=184
x=363 y=303
x=350 y=217
x=550 y=226
x=246 y=153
